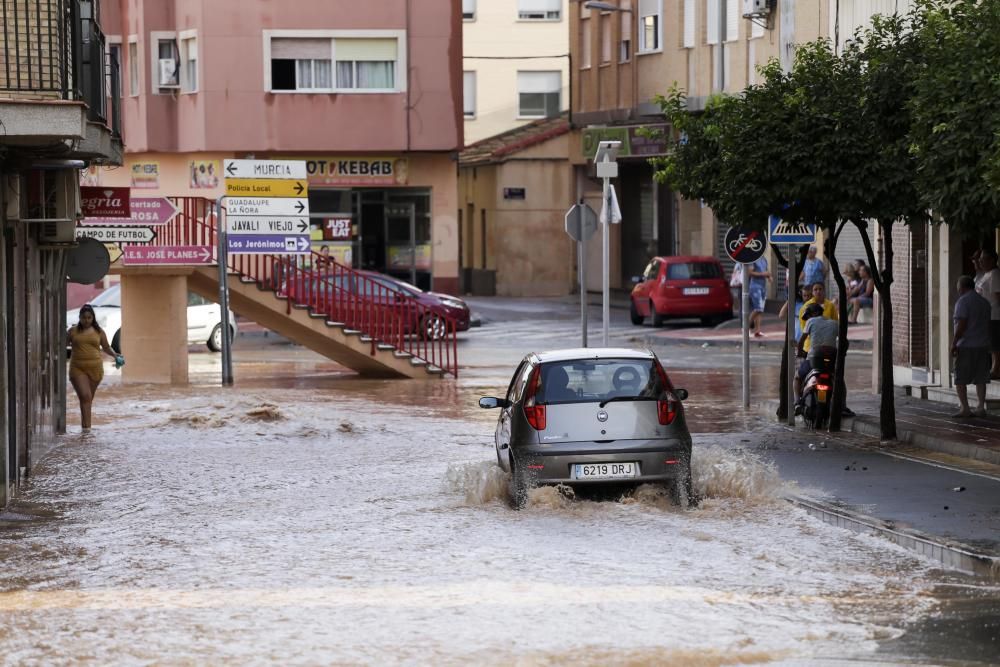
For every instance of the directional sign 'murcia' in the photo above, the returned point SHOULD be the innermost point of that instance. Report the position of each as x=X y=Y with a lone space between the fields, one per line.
x=267 y=207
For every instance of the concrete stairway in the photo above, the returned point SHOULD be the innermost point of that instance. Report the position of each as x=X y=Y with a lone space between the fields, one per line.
x=350 y=348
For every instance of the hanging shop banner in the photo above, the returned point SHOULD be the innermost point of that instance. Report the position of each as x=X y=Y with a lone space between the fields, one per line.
x=357 y=170
x=337 y=229
x=203 y=174
x=146 y=175
x=636 y=141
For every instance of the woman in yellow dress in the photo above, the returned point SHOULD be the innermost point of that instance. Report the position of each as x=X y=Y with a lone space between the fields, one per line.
x=86 y=366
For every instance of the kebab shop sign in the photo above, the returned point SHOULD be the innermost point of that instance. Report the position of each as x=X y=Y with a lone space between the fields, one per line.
x=99 y=202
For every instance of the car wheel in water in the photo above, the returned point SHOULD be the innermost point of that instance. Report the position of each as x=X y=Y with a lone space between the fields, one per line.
x=433 y=327
x=215 y=340
x=657 y=318
x=637 y=319
x=116 y=342
x=518 y=486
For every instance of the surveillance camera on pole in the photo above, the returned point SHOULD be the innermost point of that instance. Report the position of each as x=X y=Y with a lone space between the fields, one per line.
x=607 y=168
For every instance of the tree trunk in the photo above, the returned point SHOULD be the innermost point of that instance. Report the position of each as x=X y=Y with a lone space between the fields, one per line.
x=887 y=412
x=839 y=386
x=883 y=283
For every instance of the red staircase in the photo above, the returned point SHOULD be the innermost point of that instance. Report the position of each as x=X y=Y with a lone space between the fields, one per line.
x=350 y=303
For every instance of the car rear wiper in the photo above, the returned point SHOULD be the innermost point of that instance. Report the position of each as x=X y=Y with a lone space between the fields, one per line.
x=626 y=398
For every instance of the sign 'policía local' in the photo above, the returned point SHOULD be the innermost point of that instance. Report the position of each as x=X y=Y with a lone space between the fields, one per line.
x=267 y=207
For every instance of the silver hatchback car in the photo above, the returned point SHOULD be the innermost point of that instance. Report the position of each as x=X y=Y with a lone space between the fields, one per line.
x=593 y=416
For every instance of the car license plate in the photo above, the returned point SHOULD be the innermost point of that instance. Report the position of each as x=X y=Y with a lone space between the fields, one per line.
x=695 y=291
x=821 y=395
x=605 y=470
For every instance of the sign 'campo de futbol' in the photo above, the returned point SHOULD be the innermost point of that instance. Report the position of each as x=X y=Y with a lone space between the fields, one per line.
x=117 y=234
x=103 y=202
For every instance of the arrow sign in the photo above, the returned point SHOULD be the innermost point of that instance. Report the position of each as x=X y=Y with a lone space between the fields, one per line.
x=117 y=234
x=167 y=255
x=278 y=245
x=259 y=187
x=268 y=225
x=293 y=169
x=243 y=206
x=145 y=211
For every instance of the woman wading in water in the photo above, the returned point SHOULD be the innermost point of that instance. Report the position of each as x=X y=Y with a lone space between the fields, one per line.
x=86 y=367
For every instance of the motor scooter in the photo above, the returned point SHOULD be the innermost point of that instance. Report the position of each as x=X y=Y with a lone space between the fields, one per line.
x=817 y=391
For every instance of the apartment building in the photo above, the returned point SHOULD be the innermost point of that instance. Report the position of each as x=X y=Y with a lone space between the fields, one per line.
x=60 y=114
x=515 y=63
x=368 y=94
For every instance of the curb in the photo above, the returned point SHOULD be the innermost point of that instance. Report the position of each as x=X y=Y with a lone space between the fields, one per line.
x=770 y=344
x=949 y=554
x=870 y=427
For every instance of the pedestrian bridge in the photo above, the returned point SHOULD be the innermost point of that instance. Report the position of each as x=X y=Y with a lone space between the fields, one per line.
x=316 y=302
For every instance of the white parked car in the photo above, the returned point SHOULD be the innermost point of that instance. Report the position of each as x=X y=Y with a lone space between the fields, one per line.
x=204 y=319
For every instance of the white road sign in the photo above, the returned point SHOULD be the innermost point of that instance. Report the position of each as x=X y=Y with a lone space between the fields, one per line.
x=265 y=169
x=272 y=206
x=269 y=225
x=117 y=234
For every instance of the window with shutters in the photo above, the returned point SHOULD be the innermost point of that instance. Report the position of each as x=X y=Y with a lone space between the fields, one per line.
x=468 y=10
x=189 y=61
x=539 y=10
x=733 y=18
x=711 y=21
x=650 y=25
x=539 y=94
x=605 y=39
x=690 y=22
x=625 y=46
x=469 y=94
x=335 y=61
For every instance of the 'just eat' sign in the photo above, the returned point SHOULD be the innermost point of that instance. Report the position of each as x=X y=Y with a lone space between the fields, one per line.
x=98 y=202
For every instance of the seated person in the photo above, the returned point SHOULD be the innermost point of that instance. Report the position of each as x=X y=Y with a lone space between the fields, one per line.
x=555 y=386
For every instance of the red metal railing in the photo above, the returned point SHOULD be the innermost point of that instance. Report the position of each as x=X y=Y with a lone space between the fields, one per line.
x=344 y=296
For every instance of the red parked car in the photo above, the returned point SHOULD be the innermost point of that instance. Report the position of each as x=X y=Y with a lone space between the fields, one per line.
x=682 y=287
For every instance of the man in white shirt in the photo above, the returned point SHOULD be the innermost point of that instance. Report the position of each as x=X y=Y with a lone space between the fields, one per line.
x=988 y=286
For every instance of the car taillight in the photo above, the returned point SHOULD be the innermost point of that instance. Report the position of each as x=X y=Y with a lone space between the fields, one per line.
x=535 y=414
x=666 y=408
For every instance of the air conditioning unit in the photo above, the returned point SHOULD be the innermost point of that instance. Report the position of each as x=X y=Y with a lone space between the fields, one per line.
x=168 y=73
x=57 y=232
x=756 y=8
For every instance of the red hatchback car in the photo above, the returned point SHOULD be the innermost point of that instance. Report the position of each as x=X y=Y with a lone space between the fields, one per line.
x=682 y=287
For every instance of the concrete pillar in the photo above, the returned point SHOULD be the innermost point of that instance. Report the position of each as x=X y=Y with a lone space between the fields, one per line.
x=154 y=328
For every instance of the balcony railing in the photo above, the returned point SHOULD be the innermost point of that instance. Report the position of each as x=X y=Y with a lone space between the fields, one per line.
x=55 y=49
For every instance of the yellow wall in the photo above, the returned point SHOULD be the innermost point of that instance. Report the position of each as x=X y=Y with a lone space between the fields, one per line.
x=497 y=32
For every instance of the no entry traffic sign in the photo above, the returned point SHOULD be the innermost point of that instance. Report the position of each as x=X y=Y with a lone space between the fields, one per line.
x=745 y=246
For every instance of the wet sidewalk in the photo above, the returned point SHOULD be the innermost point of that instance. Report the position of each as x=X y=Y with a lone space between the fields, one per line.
x=935 y=490
x=929 y=424
x=730 y=333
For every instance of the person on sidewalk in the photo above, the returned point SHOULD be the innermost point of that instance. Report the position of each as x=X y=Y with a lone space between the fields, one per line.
x=862 y=295
x=813 y=270
x=988 y=286
x=759 y=275
x=971 y=346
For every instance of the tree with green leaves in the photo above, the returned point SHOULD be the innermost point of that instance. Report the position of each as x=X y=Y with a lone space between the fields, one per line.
x=955 y=107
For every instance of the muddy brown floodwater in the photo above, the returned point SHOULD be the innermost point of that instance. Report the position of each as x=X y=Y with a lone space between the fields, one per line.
x=304 y=517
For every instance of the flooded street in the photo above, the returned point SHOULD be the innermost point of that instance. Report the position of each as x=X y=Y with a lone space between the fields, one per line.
x=307 y=517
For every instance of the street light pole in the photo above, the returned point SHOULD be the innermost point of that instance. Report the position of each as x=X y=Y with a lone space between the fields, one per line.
x=607 y=168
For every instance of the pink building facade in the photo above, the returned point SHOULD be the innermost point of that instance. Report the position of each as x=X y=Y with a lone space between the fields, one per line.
x=368 y=93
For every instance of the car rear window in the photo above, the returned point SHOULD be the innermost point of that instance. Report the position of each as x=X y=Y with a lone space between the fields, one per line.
x=590 y=380
x=693 y=271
